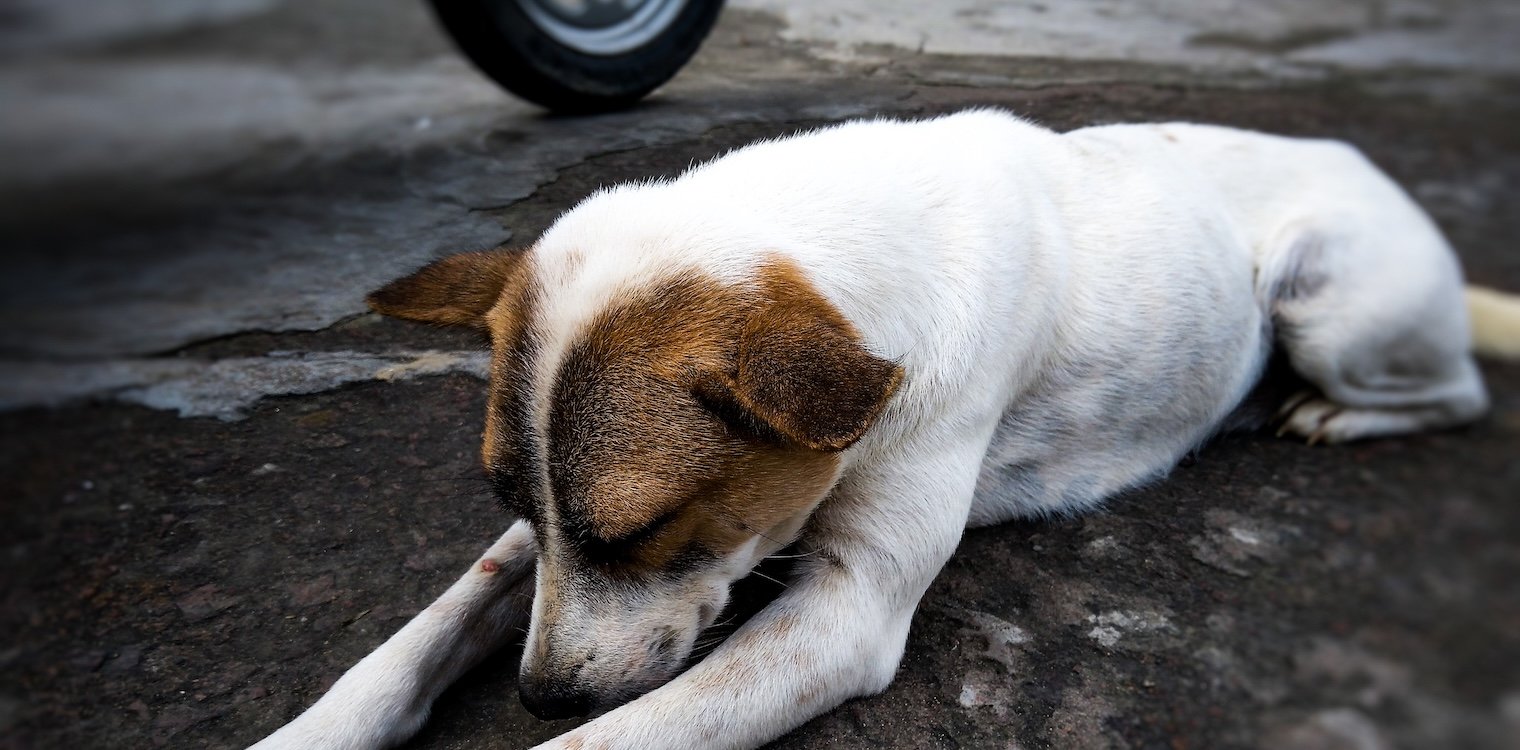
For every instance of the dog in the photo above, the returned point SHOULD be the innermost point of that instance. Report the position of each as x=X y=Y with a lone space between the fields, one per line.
x=861 y=341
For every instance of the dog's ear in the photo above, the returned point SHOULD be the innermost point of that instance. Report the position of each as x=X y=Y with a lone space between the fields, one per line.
x=457 y=290
x=801 y=373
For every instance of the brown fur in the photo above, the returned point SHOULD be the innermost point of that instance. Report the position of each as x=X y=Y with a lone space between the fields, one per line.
x=509 y=323
x=491 y=291
x=685 y=420
x=710 y=411
x=456 y=290
x=802 y=369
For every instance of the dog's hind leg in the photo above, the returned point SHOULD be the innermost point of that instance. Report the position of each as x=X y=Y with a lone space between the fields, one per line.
x=385 y=698
x=1373 y=316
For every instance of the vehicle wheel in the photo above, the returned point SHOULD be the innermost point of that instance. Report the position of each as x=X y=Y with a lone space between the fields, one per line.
x=579 y=55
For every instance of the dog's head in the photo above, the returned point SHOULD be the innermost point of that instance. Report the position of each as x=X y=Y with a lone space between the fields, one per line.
x=662 y=432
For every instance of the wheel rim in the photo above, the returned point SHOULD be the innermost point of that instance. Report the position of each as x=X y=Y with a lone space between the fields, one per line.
x=602 y=27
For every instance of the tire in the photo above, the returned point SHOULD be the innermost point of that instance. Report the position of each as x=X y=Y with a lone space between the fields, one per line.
x=536 y=60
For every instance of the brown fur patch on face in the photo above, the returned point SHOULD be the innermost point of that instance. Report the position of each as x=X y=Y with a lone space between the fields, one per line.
x=694 y=416
x=510 y=450
x=457 y=290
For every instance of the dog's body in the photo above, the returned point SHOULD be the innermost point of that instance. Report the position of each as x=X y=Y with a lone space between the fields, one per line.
x=864 y=340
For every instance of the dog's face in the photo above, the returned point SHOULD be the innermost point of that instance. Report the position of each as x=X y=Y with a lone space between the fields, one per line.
x=661 y=437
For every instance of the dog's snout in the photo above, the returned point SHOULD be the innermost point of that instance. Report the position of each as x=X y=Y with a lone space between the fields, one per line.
x=553 y=699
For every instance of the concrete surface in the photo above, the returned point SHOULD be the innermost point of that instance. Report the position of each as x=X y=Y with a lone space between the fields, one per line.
x=1282 y=37
x=226 y=483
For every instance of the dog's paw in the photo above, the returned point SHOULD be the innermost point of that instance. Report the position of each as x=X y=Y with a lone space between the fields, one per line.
x=1317 y=419
x=1320 y=420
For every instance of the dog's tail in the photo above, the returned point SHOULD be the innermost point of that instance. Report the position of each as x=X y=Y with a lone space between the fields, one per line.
x=1495 y=323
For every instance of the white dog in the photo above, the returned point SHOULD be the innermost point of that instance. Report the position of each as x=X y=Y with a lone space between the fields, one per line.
x=863 y=340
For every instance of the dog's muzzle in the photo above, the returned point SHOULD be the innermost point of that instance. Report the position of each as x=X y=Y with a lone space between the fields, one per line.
x=553 y=699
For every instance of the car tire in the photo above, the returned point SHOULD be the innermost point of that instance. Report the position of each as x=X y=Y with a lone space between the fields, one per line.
x=538 y=57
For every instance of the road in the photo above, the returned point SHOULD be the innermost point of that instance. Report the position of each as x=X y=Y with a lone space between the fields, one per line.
x=226 y=482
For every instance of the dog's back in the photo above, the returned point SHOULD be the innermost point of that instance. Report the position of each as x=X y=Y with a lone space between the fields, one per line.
x=1364 y=295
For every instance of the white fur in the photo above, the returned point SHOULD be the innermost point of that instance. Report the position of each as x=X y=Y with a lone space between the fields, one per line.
x=1073 y=313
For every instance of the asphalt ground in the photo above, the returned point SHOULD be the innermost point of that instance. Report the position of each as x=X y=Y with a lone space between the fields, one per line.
x=225 y=483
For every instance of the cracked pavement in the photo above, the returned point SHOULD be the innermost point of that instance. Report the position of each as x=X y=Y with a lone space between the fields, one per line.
x=226 y=482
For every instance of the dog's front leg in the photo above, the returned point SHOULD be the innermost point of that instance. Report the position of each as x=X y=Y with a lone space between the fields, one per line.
x=836 y=633
x=385 y=698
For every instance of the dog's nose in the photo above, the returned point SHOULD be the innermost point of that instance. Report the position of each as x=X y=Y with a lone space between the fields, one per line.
x=553 y=699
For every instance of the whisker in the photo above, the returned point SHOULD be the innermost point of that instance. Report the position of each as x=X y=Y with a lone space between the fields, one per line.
x=770 y=539
x=778 y=582
x=704 y=648
x=792 y=557
x=746 y=527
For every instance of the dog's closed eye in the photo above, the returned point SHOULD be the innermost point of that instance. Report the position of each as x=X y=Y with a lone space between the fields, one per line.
x=617 y=549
